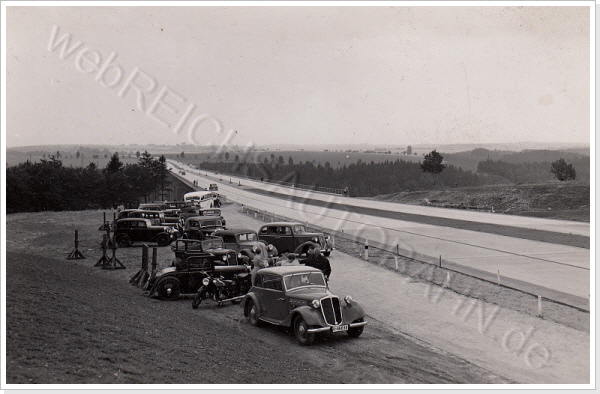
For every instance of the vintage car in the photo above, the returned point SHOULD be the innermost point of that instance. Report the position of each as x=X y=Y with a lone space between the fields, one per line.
x=293 y=237
x=212 y=212
x=153 y=206
x=245 y=242
x=198 y=227
x=182 y=246
x=213 y=186
x=297 y=297
x=132 y=230
x=156 y=217
x=189 y=211
x=188 y=271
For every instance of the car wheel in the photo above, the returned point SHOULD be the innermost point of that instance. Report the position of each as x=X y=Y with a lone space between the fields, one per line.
x=253 y=314
x=355 y=332
x=326 y=254
x=123 y=241
x=301 y=331
x=169 y=289
x=163 y=240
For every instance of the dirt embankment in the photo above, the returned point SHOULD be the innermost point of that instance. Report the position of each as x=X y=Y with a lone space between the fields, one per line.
x=564 y=200
x=70 y=322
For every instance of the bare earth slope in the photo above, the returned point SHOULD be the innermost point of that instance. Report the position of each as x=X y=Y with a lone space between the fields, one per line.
x=560 y=200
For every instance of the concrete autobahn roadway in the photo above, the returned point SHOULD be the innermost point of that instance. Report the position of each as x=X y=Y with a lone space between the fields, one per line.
x=558 y=270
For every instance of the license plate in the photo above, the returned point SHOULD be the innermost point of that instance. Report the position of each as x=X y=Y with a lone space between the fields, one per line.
x=339 y=328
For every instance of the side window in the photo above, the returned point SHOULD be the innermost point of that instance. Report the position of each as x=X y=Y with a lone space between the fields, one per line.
x=264 y=230
x=258 y=282
x=272 y=282
x=141 y=224
x=229 y=238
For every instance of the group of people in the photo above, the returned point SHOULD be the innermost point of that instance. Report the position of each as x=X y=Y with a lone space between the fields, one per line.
x=314 y=258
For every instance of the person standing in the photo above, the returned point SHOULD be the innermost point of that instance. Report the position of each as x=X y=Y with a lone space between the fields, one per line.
x=258 y=262
x=319 y=261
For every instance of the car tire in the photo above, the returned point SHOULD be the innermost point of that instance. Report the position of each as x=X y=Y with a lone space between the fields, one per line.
x=168 y=289
x=123 y=241
x=355 y=332
x=163 y=240
x=253 y=314
x=301 y=332
x=326 y=254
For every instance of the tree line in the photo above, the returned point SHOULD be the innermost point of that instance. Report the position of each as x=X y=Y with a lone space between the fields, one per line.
x=362 y=179
x=47 y=185
x=371 y=179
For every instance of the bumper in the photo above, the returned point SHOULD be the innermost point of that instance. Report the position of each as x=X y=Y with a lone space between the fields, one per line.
x=325 y=329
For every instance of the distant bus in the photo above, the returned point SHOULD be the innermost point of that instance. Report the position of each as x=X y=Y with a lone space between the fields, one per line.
x=203 y=199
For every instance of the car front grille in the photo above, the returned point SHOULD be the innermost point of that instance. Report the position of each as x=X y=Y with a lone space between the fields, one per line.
x=332 y=313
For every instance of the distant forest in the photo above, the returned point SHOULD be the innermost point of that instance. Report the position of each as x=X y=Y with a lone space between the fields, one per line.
x=49 y=186
x=371 y=179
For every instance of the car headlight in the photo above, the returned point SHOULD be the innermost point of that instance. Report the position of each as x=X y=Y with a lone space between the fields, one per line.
x=239 y=255
x=270 y=247
x=315 y=239
x=315 y=304
x=224 y=258
x=205 y=281
x=348 y=299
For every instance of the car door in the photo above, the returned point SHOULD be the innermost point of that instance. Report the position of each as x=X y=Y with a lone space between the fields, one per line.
x=286 y=239
x=138 y=230
x=269 y=235
x=272 y=299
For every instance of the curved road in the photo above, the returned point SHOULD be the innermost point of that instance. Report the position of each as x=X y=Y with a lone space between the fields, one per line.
x=483 y=244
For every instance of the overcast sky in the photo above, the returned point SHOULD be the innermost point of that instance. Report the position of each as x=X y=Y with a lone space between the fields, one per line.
x=380 y=75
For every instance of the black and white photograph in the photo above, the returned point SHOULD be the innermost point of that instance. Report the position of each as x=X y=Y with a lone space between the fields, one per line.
x=298 y=195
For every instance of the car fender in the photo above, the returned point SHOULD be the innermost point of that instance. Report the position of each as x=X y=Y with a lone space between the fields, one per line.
x=312 y=316
x=352 y=312
x=244 y=303
x=159 y=234
x=300 y=248
x=157 y=281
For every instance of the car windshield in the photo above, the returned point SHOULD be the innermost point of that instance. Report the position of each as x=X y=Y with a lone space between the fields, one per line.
x=299 y=230
x=304 y=279
x=245 y=237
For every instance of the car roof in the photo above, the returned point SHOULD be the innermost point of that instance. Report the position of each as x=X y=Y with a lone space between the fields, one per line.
x=287 y=270
x=283 y=224
x=134 y=220
x=202 y=218
x=234 y=231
